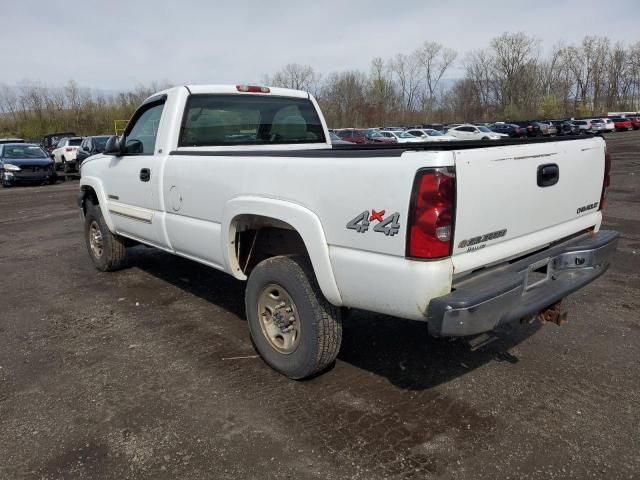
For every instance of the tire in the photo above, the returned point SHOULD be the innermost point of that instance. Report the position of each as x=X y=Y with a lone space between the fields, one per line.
x=317 y=326
x=111 y=255
x=485 y=138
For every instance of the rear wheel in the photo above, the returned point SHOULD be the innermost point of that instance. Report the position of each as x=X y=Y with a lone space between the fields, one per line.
x=107 y=251
x=293 y=327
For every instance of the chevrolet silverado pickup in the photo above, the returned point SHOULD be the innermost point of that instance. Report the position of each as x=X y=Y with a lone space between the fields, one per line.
x=462 y=235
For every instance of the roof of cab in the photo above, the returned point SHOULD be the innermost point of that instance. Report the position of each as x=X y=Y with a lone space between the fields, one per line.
x=233 y=89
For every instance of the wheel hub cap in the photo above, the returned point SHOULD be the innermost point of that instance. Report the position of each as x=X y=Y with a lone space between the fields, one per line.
x=278 y=318
x=95 y=239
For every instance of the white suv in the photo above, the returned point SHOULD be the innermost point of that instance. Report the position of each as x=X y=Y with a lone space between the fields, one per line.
x=66 y=151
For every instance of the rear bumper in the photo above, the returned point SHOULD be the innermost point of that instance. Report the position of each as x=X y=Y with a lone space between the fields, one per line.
x=507 y=293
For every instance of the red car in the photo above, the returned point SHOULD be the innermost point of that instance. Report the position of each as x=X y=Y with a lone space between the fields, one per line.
x=635 y=121
x=622 y=123
x=353 y=135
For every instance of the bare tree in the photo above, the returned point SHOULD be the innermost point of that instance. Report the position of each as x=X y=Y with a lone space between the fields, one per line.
x=406 y=70
x=296 y=76
x=435 y=60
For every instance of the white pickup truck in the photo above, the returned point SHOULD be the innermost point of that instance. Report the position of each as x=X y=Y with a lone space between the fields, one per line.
x=462 y=235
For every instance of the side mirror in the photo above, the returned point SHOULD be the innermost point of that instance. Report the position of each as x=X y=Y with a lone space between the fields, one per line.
x=114 y=146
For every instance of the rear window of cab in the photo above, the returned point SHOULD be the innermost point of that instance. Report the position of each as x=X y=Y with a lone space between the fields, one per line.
x=215 y=120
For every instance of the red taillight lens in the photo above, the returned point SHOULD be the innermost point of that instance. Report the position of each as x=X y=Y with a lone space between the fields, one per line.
x=606 y=180
x=252 y=89
x=431 y=214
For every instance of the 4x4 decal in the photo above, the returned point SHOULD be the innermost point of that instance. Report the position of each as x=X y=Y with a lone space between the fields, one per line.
x=389 y=226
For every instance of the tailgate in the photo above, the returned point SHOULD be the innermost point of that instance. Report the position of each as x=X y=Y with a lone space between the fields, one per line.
x=503 y=212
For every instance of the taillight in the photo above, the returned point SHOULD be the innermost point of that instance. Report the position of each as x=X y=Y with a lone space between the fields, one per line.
x=517 y=129
x=606 y=180
x=431 y=214
x=252 y=89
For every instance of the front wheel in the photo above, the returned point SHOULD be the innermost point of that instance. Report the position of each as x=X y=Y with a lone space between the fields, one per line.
x=107 y=250
x=293 y=327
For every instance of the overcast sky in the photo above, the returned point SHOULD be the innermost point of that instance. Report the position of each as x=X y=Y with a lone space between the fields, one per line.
x=112 y=44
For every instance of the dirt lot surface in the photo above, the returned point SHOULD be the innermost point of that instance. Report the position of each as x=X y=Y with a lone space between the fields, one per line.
x=149 y=372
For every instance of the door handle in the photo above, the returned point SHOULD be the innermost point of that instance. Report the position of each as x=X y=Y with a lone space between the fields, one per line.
x=145 y=175
x=548 y=174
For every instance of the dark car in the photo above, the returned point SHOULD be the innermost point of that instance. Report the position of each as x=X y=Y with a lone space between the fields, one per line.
x=565 y=127
x=511 y=129
x=532 y=129
x=25 y=163
x=89 y=146
x=49 y=141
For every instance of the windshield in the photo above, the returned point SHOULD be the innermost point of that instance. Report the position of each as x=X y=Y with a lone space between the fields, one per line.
x=374 y=135
x=484 y=129
x=22 y=152
x=406 y=135
x=334 y=137
x=434 y=133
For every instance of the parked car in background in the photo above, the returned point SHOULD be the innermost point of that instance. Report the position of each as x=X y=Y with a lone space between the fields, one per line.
x=533 y=129
x=25 y=163
x=393 y=129
x=353 y=135
x=472 y=132
x=548 y=127
x=89 y=146
x=65 y=153
x=565 y=127
x=336 y=140
x=430 y=135
x=374 y=136
x=609 y=124
x=400 y=136
x=635 y=121
x=622 y=123
x=584 y=126
x=598 y=125
x=50 y=140
x=428 y=126
x=11 y=140
x=510 y=129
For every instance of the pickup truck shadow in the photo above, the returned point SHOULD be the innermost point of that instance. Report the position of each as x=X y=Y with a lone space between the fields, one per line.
x=404 y=352
x=400 y=350
x=200 y=280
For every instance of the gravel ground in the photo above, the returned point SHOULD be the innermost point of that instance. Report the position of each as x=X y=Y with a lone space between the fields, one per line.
x=149 y=372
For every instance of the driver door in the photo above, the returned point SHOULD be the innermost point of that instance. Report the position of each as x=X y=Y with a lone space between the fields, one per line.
x=132 y=182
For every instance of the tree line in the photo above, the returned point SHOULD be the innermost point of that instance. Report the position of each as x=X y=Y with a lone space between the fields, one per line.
x=32 y=109
x=510 y=79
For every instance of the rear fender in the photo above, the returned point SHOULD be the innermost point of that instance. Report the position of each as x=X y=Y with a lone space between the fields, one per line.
x=303 y=220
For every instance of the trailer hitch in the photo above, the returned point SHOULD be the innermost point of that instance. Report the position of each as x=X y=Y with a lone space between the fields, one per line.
x=552 y=314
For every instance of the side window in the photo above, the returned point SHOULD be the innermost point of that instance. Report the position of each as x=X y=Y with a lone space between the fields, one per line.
x=141 y=138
